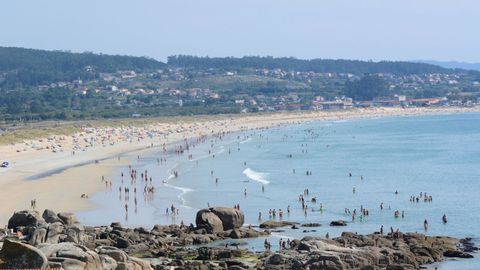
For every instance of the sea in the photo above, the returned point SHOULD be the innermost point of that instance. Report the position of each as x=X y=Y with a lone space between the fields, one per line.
x=351 y=164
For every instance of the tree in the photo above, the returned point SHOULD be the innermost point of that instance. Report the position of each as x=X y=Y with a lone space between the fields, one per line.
x=367 y=88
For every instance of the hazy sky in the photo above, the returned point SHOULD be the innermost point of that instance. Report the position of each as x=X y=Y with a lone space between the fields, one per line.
x=353 y=29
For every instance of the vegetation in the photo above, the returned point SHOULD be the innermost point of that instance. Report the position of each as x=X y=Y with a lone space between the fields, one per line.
x=58 y=85
x=314 y=65
x=26 y=67
x=367 y=88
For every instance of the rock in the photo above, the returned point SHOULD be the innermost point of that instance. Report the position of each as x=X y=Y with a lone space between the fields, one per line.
x=75 y=233
x=26 y=218
x=140 y=264
x=108 y=262
x=39 y=236
x=69 y=263
x=311 y=225
x=275 y=259
x=270 y=224
x=209 y=253
x=230 y=217
x=116 y=225
x=16 y=255
x=50 y=216
x=54 y=233
x=236 y=234
x=114 y=253
x=122 y=243
x=338 y=223
x=457 y=254
x=72 y=255
x=209 y=221
x=400 y=267
x=68 y=218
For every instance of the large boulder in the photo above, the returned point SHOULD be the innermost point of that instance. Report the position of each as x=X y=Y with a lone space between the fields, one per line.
x=16 y=255
x=230 y=217
x=209 y=221
x=26 y=218
x=217 y=219
x=50 y=216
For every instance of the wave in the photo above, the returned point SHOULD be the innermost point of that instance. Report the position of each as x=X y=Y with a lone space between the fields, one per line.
x=245 y=141
x=184 y=191
x=256 y=176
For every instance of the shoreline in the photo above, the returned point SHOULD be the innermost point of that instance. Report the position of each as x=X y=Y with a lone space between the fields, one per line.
x=74 y=174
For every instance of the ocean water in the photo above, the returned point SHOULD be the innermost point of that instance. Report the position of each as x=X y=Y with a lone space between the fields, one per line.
x=438 y=155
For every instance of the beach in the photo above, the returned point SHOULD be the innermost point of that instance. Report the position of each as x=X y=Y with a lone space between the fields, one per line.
x=56 y=171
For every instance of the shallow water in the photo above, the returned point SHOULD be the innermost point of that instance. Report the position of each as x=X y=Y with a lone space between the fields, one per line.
x=439 y=155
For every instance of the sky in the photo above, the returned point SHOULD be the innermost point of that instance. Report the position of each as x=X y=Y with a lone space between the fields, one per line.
x=335 y=29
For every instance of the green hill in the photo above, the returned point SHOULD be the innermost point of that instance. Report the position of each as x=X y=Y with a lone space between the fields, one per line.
x=24 y=67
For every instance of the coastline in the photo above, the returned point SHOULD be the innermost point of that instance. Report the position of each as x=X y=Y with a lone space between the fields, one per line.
x=77 y=174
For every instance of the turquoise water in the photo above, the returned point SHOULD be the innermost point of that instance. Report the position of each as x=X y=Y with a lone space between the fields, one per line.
x=439 y=155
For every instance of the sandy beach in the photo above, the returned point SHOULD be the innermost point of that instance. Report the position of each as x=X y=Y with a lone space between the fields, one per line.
x=57 y=170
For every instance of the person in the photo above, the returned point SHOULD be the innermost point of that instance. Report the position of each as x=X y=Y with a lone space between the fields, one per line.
x=425 y=224
x=266 y=244
x=444 y=218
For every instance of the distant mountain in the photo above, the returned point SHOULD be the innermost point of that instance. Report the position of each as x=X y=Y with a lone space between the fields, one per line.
x=315 y=65
x=453 y=64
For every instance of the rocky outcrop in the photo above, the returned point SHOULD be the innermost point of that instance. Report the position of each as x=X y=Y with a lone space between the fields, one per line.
x=217 y=219
x=16 y=255
x=69 y=245
x=354 y=251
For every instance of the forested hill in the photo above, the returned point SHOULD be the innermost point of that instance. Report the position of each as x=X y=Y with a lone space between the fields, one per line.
x=315 y=65
x=33 y=67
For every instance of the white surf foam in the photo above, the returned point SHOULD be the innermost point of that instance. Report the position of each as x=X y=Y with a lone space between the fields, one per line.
x=245 y=141
x=256 y=176
x=184 y=191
